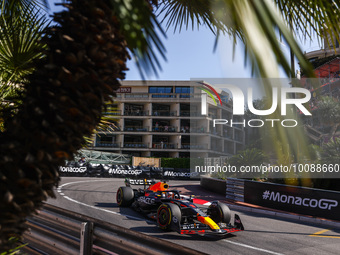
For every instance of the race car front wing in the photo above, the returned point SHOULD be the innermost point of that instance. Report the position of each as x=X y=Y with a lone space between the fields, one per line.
x=204 y=229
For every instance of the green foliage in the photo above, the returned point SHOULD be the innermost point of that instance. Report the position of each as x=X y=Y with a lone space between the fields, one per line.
x=179 y=13
x=175 y=162
x=13 y=242
x=20 y=45
x=249 y=157
x=314 y=152
x=8 y=6
x=330 y=153
x=181 y=162
x=256 y=24
x=140 y=29
x=328 y=109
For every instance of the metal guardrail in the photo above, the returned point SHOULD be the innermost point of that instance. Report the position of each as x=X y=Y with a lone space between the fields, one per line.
x=58 y=231
x=235 y=189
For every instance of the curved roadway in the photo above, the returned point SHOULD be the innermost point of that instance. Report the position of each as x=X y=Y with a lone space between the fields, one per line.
x=96 y=197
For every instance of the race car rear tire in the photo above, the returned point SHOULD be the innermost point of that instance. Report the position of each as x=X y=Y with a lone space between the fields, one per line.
x=167 y=214
x=125 y=196
x=219 y=212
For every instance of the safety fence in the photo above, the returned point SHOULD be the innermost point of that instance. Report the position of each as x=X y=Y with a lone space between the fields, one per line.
x=58 y=231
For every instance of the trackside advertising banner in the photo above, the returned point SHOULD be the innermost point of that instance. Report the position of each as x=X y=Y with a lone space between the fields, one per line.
x=319 y=203
x=179 y=173
x=121 y=171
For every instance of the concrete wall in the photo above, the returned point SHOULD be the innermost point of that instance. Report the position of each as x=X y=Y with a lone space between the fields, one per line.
x=212 y=184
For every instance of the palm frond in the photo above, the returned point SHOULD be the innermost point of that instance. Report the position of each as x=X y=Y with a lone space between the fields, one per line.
x=20 y=45
x=180 y=13
x=257 y=24
x=140 y=29
x=9 y=6
x=310 y=18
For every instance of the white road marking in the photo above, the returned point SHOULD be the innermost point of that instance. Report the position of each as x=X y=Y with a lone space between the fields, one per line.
x=252 y=247
x=94 y=207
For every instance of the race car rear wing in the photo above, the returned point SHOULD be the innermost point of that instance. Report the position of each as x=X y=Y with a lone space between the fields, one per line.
x=144 y=182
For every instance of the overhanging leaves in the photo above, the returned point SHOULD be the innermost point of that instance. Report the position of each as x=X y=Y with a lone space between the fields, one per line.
x=20 y=45
x=140 y=29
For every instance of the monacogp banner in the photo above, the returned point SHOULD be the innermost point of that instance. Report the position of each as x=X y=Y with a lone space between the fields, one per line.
x=314 y=202
x=125 y=171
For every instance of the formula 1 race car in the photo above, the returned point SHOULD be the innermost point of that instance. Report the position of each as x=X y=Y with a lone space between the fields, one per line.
x=175 y=212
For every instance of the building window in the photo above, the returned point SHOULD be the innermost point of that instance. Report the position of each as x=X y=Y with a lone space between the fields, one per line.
x=184 y=90
x=161 y=90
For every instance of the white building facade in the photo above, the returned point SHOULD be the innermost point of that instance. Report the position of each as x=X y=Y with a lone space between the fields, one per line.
x=163 y=119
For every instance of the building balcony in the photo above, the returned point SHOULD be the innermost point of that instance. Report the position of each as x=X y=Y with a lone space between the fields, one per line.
x=165 y=113
x=165 y=129
x=200 y=130
x=148 y=97
x=136 y=113
x=164 y=145
x=135 y=145
x=239 y=139
x=190 y=114
x=113 y=113
x=191 y=146
x=136 y=129
x=107 y=144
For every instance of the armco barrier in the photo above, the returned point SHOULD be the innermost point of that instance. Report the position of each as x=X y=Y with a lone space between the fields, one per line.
x=58 y=231
x=235 y=189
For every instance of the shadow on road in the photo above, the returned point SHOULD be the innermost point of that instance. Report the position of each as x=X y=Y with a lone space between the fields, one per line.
x=106 y=205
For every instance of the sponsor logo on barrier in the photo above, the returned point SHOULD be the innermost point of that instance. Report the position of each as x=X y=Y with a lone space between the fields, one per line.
x=127 y=172
x=325 y=204
x=180 y=174
x=70 y=169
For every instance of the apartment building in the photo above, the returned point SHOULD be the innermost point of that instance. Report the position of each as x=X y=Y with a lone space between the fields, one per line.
x=163 y=119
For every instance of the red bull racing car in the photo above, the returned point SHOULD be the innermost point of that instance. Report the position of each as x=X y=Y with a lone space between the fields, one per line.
x=175 y=212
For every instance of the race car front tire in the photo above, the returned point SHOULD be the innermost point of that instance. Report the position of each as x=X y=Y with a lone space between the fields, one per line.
x=219 y=212
x=125 y=196
x=167 y=214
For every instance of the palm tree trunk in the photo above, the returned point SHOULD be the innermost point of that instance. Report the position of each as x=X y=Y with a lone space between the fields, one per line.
x=62 y=103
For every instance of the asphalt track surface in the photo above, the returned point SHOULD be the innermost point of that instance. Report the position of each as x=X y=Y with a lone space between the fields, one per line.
x=263 y=234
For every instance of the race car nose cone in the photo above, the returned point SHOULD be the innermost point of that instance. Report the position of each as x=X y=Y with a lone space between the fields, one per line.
x=218 y=230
